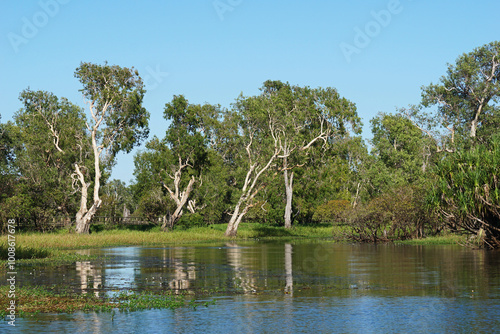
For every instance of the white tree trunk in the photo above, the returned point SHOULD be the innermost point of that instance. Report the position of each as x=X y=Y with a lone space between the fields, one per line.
x=84 y=216
x=288 y=194
x=248 y=193
x=180 y=199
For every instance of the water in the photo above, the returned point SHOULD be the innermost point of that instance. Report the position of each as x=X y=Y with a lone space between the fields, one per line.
x=286 y=288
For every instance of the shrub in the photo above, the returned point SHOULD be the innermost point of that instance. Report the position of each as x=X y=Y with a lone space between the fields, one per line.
x=332 y=211
x=398 y=214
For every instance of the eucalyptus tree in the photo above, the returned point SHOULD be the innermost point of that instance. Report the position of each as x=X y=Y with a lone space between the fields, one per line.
x=178 y=161
x=251 y=146
x=50 y=138
x=7 y=169
x=118 y=122
x=6 y=148
x=306 y=118
x=466 y=97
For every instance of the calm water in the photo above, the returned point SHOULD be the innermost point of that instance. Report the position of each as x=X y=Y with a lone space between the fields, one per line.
x=286 y=288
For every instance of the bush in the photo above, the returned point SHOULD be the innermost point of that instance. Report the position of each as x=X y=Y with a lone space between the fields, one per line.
x=332 y=211
x=399 y=214
x=188 y=220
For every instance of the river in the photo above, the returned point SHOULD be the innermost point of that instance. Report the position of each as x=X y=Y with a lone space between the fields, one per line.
x=284 y=287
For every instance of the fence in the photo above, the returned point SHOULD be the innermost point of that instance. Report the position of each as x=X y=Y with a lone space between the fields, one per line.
x=49 y=224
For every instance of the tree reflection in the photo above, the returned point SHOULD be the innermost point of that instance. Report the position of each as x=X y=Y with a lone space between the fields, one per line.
x=288 y=269
x=87 y=270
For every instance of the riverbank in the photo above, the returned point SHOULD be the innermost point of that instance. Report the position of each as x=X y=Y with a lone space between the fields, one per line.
x=57 y=245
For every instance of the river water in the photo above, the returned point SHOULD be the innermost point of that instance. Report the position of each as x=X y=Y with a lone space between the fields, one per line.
x=276 y=287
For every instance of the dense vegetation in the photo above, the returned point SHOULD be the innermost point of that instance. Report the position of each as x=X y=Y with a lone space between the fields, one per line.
x=288 y=156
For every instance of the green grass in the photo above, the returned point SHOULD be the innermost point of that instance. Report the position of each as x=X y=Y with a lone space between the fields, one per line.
x=123 y=237
x=23 y=252
x=33 y=300
x=443 y=239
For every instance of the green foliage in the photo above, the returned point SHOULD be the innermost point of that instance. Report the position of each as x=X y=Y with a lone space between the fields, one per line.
x=467 y=191
x=332 y=211
x=116 y=94
x=49 y=136
x=153 y=204
x=467 y=95
x=116 y=198
x=23 y=252
x=398 y=214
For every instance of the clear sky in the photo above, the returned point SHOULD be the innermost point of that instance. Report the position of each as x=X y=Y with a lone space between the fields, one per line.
x=375 y=53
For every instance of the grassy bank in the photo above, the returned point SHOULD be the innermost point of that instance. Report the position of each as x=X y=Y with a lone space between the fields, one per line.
x=123 y=237
x=55 y=246
x=443 y=239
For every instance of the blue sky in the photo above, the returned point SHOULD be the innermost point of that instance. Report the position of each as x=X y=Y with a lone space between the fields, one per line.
x=375 y=53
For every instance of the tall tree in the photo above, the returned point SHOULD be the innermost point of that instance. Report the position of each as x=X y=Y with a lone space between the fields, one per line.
x=51 y=137
x=306 y=118
x=118 y=122
x=179 y=161
x=252 y=147
x=466 y=97
x=401 y=147
x=187 y=141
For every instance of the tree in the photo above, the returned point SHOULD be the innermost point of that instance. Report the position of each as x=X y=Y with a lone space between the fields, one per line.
x=401 y=147
x=305 y=118
x=8 y=178
x=118 y=122
x=187 y=142
x=466 y=96
x=251 y=146
x=6 y=148
x=50 y=138
x=179 y=161
x=117 y=199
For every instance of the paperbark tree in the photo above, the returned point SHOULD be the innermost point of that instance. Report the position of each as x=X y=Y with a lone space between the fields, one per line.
x=178 y=161
x=118 y=122
x=306 y=118
x=255 y=147
x=51 y=138
x=466 y=97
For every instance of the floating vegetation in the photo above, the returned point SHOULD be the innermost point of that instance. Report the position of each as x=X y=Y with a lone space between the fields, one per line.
x=33 y=300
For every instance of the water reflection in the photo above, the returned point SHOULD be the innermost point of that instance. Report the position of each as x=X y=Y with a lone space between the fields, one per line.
x=294 y=269
x=88 y=272
x=288 y=269
x=243 y=276
x=286 y=287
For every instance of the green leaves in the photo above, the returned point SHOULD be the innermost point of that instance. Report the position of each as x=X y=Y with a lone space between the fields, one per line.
x=115 y=95
x=468 y=190
x=465 y=94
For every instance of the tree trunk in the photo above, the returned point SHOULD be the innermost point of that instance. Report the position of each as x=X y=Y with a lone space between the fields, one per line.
x=180 y=204
x=84 y=216
x=83 y=219
x=232 y=226
x=169 y=223
x=289 y=194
